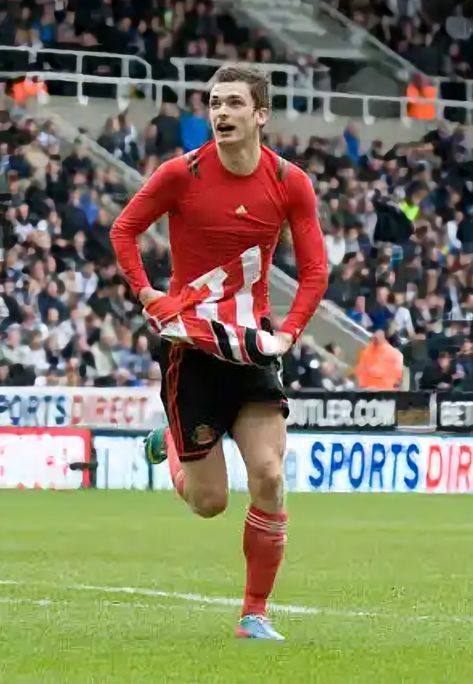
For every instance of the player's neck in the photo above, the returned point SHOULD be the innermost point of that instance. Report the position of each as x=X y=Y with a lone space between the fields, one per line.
x=242 y=161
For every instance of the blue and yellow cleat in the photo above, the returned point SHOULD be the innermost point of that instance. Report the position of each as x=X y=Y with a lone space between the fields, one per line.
x=257 y=627
x=155 y=446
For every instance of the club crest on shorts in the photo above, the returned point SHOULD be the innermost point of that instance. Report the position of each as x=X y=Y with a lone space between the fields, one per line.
x=203 y=434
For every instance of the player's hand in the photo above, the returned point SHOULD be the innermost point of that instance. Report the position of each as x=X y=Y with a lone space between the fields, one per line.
x=148 y=295
x=285 y=342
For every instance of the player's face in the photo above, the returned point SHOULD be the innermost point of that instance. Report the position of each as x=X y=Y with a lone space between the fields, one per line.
x=233 y=115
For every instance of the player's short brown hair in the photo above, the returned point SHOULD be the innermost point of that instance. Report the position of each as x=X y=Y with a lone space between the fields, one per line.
x=256 y=79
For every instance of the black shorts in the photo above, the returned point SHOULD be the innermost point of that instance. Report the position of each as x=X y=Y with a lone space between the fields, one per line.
x=203 y=395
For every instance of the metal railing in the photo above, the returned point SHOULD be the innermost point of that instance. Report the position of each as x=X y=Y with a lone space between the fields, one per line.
x=80 y=55
x=293 y=74
x=291 y=71
x=270 y=67
x=312 y=98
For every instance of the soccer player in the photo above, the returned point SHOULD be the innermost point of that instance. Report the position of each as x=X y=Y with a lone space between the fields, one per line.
x=225 y=197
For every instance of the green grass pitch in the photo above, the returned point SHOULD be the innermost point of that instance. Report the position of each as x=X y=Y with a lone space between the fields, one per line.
x=391 y=574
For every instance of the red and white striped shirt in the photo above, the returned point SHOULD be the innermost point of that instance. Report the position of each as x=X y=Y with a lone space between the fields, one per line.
x=215 y=313
x=216 y=216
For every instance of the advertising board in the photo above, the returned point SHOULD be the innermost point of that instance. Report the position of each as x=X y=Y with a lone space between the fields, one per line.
x=314 y=462
x=40 y=458
x=380 y=463
x=81 y=406
x=319 y=463
x=455 y=411
x=121 y=464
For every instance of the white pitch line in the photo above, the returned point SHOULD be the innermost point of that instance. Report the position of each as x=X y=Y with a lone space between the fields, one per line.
x=225 y=602
x=190 y=598
x=46 y=602
x=13 y=600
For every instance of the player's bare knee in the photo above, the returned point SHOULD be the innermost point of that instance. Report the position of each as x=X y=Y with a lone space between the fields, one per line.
x=267 y=481
x=209 y=504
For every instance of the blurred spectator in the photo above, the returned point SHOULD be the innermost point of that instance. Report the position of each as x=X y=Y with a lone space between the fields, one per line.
x=379 y=311
x=420 y=88
x=402 y=316
x=301 y=368
x=358 y=313
x=195 y=128
x=10 y=350
x=166 y=130
x=110 y=138
x=407 y=29
x=49 y=299
x=380 y=365
x=73 y=216
x=332 y=380
x=335 y=244
x=33 y=354
x=416 y=193
x=442 y=374
x=136 y=358
x=105 y=358
x=352 y=141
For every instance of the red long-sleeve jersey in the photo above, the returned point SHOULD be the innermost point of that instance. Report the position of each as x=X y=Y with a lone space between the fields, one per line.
x=214 y=216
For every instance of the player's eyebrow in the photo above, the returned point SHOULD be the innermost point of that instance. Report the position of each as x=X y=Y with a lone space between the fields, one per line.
x=232 y=97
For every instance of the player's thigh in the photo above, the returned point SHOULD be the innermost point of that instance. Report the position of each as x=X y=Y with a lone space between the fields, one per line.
x=198 y=418
x=260 y=433
x=260 y=426
x=206 y=478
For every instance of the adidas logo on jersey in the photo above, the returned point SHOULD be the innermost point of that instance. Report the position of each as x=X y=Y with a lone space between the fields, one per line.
x=241 y=210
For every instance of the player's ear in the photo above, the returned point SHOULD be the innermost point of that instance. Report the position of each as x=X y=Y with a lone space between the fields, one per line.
x=262 y=116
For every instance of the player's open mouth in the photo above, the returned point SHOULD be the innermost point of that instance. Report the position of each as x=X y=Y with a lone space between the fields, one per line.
x=225 y=128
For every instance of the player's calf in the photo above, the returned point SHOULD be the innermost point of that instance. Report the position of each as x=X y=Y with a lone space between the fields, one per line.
x=260 y=432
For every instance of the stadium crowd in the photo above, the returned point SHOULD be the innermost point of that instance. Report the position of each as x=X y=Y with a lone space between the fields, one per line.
x=152 y=30
x=65 y=313
x=414 y=281
x=406 y=27
x=417 y=287
x=67 y=317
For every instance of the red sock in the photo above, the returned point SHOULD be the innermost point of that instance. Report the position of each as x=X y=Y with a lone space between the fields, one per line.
x=264 y=540
x=175 y=466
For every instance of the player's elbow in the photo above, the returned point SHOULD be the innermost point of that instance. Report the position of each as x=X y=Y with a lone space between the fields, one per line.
x=316 y=278
x=114 y=233
x=120 y=237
